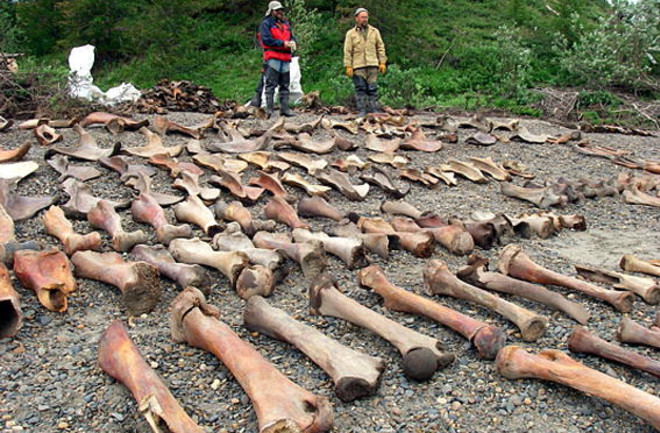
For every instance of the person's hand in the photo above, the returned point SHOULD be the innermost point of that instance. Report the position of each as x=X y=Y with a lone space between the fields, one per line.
x=382 y=68
x=349 y=71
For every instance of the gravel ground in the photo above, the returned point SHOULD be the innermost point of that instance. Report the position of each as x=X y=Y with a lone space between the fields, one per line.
x=50 y=379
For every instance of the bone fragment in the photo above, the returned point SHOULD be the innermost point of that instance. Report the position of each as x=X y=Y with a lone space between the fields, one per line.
x=146 y=209
x=309 y=255
x=647 y=288
x=87 y=149
x=46 y=135
x=400 y=208
x=377 y=243
x=453 y=237
x=490 y=167
x=465 y=169
x=420 y=244
x=303 y=161
x=447 y=177
x=81 y=199
x=350 y=250
x=162 y=125
x=318 y=207
x=153 y=147
x=634 y=264
x=418 y=141
x=99 y=117
x=60 y=163
x=17 y=170
x=272 y=183
x=15 y=154
x=11 y=317
x=20 y=208
x=380 y=178
x=632 y=332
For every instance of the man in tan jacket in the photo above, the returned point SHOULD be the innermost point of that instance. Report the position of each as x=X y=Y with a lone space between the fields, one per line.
x=364 y=59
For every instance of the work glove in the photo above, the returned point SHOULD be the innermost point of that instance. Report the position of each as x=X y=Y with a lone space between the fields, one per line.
x=349 y=71
x=382 y=68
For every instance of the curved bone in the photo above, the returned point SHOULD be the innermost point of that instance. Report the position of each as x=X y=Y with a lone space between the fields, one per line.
x=422 y=355
x=235 y=211
x=396 y=161
x=342 y=183
x=354 y=373
x=318 y=207
x=635 y=264
x=372 y=142
x=241 y=145
x=15 y=154
x=523 y=134
x=632 y=332
x=400 y=208
x=438 y=280
x=103 y=216
x=350 y=164
x=279 y=210
x=5 y=124
x=304 y=143
x=87 y=148
x=138 y=281
x=476 y=274
x=280 y=405
x=60 y=163
x=17 y=170
x=232 y=182
x=194 y=211
x=303 y=161
x=220 y=163
x=46 y=135
x=162 y=125
x=309 y=255
x=487 y=339
x=195 y=251
x=381 y=179
x=153 y=147
x=99 y=117
x=481 y=139
x=647 y=288
x=375 y=242
x=121 y=359
x=350 y=126
x=272 y=183
x=350 y=250
x=58 y=226
x=294 y=179
x=490 y=167
x=447 y=177
x=541 y=197
x=182 y=273
x=514 y=362
x=634 y=195
x=418 y=176
x=418 y=141
x=48 y=273
x=11 y=317
x=451 y=236
x=542 y=226
x=7 y=229
x=305 y=127
x=264 y=160
x=146 y=209
x=582 y=341
x=81 y=200
x=128 y=172
x=465 y=169
x=9 y=248
x=21 y=208
x=513 y=261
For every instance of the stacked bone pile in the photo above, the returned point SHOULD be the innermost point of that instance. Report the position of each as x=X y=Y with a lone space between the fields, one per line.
x=331 y=271
x=182 y=95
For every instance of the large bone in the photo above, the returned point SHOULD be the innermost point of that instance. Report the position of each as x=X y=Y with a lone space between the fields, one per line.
x=48 y=274
x=194 y=211
x=272 y=183
x=647 y=288
x=182 y=273
x=487 y=339
x=232 y=182
x=280 y=405
x=146 y=209
x=634 y=195
x=465 y=169
x=354 y=373
x=46 y=135
x=372 y=142
x=304 y=143
x=309 y=255
x=264 y=160
x=137 y=281
x=312 y=189
x=15 y=154
x=542 y=226
x=490 y=167
x=279 y=210
x=513 y=261
x=5 y=124
x=514 y=362
x=233 y=239
x=381 y=179
x=422 y=355
x=453 y=237
x=396 y=161
x=476 y=274
x=420 y=244
x=541 y=197
x=400 y=208
x=104 y=216
x=18 y=207
x=220 y=163
x=502 y=224
x=378 y=243
x=235 y=211
x=303 y=161
x=121 y=359
x=632 y=332
x=318 y=207
x=103 y=118
x=87 y=148
x=438 y=280
x=60 y=163
x=162 y=125
x=241 y=145
x=153 y=147
x=58 y=226
x=350 y=250
x=635 y=264
x=582 y=341
x=17 y=170
x=81 y=199
x=418 y=141
x=11 y=317
x=342 y=183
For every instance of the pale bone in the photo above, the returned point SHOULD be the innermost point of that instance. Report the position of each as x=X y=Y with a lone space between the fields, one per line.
x=418 y=176
x=420 y=244
x=541 y=197
x=513 y=261
x=465 y=169
x=220 y=163
x=145 y=209
x=195 y=251
x=99 y=117
x=241 y=145
x=161 y=125
x=265 y=161
x=188 y=182
x=11 y=317
x=235 y=211
x=8 y=243
x=18 y=207
x=128 y=173
x=632 y=332
x=232 y=182
x=418 y=141
x=295 y=179
x=46 y=135
x=154 y=146
x=87 y=148
x=303 y=161
x=396 y=161
x=309 y=255
x=17 y=170
x=280 y=405
x=60 y=163
x=523 y=134
x=374 y=143
x=447 y=177
x=582 y=341
x=514 y=362
x=304 y=143
x=476 y=273
x=48 y=274
x=422 y=355
x=636 y=196
x=342 y=183
x=305 y=127
x=400 y=208
x=120 y=358
x=375 y=242
x=487 y=339
x=58 y=226
x=5 y=124
x=277 y=209
x=350 y=164
x=454 y=237
x=381 y=179
x=647 y=288
x=510 y=125
x=182 y=273
x=481 y=139
x=354 y=373
x=318 y=207
x=488 y=166
x=104 y=216
x=194 y=211
x=501 y=223
x=272 y=184
x=15 y=154
x=138 y=281
x=477 y=121
x=81 y=199
x=233 y=239
x=542 y=226
x=350 y=250
x=351 y=127
x=172 y=165
x=634 y=264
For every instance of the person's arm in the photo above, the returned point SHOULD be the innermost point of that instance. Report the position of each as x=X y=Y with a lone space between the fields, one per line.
x=380 y=49
x=266 y=36
x=348 y=50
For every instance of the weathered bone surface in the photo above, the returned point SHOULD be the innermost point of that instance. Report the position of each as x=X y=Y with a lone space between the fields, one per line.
x=233 y=239
x=447 y=177
x=484 y=234
x=5 y=124
x=476 y=273
x=634 y=195
x=277 y=209
x=415 y=175
x=422 y=355
x=146 y=209
x=582 y=341
x=354 y=373
x=17 y=170
x=58 y=226
x=514 y=262
x=318 y=207
x=350 y=250
x=232 y=182
x=194 y=211
x=342 y=183
x=121 y=359
x=541 y=197
x=453 y=237
x=481 y=139
x=255 y=280
x=396 y=161
x=15 y=154
x=378 y=243
x=372 y=142
x=502 y=224
x=541 y=226
x=487 y=339
x=18 y=207
x=350 y=164
x=634 y=264
x=350 y=126
x=303 y=161
x=241 y=145
x=304 y=143
x=280 y=405
x=418 y=141
x=235 y=211
x=153 y=147
x=11 y=317
x=381 y=179
x=103 y=216
x=48 y=274
x=400 y=208
x=60 y=163
x=182 y=273
x=514 y=362
x=305 y=127
x=295 y=179
x=102 y=118
x=309 y=255
x=632 y=332
x=522 y=134
x=162 y=125
x=220 y=162
x=419 y=243
x=264 y=160
x=138 y=281
x=465 y=169
x=81 y=199
x=46 y=135
x=647 y=288
x=438 y=280
x=87 y=148
x=272 y=183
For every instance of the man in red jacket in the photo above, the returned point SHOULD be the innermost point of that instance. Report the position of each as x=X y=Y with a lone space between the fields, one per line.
x=278 y=42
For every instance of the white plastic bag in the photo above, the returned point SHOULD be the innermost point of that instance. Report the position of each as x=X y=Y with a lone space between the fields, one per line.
x=295 y=88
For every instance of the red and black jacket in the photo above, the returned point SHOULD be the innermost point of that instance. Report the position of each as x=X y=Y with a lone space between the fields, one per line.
x=272 y=35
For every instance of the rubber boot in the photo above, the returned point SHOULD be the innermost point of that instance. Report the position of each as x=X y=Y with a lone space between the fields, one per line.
x=361 y=100
x=256 y=100
x=372 y=104
x=284 y=107
x=270 y=105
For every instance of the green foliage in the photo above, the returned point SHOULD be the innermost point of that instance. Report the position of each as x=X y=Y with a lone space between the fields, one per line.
x=306 y=25
x=11 y=35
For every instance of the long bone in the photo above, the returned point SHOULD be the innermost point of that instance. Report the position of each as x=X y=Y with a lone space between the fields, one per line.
x=145 y=209
x=635 y=264
x=541 y=226
x=318 y=207
x=476 y=273
x=513 y=362
x=422 y=355
x=541 y=197
x=400 y=208
x=582 y=341
x=420 y=244
x=121 y=359
x=280 y=405
x=454 y=237
x=647 y=288
x=309 y=255
x=194 y=211
x=375 y=242
x=182 y=273
x=58 y=226
x=438 y=280
x=514 y=262
x=137 y=281
x=277 y=209
x=632 y=332
x=354 y=373
x=104 y=216
x=350 y=250
x=235 y=211
x=487 y=339
x=11 y=317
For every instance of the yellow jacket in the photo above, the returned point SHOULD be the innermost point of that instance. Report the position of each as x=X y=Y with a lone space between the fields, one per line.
x=360 y=52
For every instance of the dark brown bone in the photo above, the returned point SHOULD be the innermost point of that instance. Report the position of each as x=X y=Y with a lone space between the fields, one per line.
x=58 y=226
x=194 y=211
x=635 y=264
x=514 y=362
x=15 y=154
x=453 y=237
x=541 y=197
x=513 y=261
x=48 y=273
x=476 y=274
x=317 y=206
x=20 y=208
x=502 y=224
x=138 y=281
x=183 y=274
x=582 y=341
x=484 y=234
x=233 y=239
x=11 y=317
x=280 y=405
x=309 y=255
x=487 y=339
x=279 y=210
x=420 y=244
x=354 y=373
x=647 y=288
x=121 y=359
x=422 y=355
x=375 y=242
x=265 y=161
x=87 y=148
x=438 y=280
x=350 y=250
x=146 y=209
x=46 y=135
x=632 y=332
x=104 y=216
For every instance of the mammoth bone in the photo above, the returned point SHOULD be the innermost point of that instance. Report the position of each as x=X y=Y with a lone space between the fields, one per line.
x=104 y=216
x=58 y=226
x=11 y=317
x=632 y=332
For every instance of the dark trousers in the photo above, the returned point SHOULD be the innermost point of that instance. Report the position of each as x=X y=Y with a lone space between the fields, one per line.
x=275 y=79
